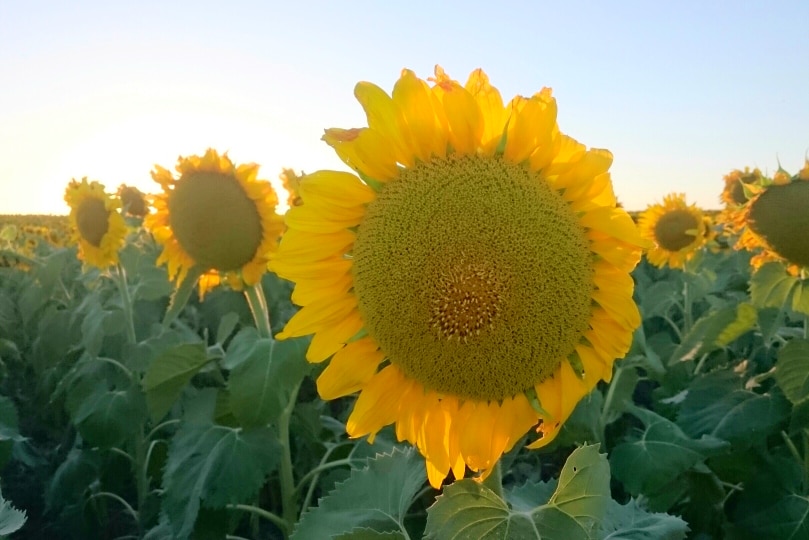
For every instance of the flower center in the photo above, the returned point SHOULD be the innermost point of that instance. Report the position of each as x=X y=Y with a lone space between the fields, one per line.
x=779 y=215
x=92 y=219
x=473 y=275
x=214 y=220
x=671 y=229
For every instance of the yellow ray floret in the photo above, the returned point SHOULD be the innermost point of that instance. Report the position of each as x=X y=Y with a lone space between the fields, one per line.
x=470 y=280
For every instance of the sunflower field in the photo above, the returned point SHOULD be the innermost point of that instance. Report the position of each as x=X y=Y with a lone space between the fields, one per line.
x=467 y=337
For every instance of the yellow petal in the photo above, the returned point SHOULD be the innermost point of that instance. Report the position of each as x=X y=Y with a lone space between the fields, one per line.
x=364 y=150
x=413 y=98
x=330 y=340
x=335 y=188
x=378 y=403
x=463 y=115
x=350 y=369
x=494 y=114
x=530 y=127
x=320 y=219
x=318 y=315
x=384 y=117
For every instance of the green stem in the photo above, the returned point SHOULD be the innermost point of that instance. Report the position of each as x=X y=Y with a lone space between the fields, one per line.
x=158 y=427
x=140 y=468
x=117 y=364
x=181 y=295
x=259 y=309
x=289 y=496
x=793 y=450
x=123 y=502
x=269 y=516
x=687 y=321
x=495 y=480
x=319 y=469
x=607 y=407
x=126 y=301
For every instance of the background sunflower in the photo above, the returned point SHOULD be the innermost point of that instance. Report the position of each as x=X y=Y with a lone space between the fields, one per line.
x=217 y=218
x=97 y=226
x=677 y=230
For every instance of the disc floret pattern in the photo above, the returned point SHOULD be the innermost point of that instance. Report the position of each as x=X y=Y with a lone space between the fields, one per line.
x=676 y=229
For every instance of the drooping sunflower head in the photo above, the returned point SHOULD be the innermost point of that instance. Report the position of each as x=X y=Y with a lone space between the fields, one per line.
x=292 y=184
x=736 y=193
x=97 y=226
x=471 y=280
x=216 y=216
x=677 y=230
x=776 y=220
x=133 y=200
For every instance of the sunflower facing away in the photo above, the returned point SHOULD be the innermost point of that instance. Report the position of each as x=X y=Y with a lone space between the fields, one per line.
x=471 y=280
x=97 y=226
x=734 y=198
x=676 y=229
x=215 y=216
x=776 y=220
x=133 y=201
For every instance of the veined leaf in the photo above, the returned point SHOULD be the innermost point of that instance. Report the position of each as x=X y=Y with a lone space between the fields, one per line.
x=468 y=509
x=631 y=522
x=11 y=519
x=168 y=374
x=364 y=533
x=718 y=405
x=792 y=370
x=716 y=330
x=660 y=454
x=376 y=497
x=772 y=286
x=214 y=466
x=261 y=382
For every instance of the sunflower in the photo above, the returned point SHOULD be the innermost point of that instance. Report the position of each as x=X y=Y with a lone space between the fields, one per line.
x=133 y=201
x=734 y=196
x=217 y=218
x=675 y=229
x=471 y=280
x=97 y=226
x=775 y=221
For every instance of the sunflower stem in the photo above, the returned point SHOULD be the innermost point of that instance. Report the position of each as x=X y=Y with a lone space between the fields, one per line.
x=289 y=495
x=260 y=512
x=259 y=309
x=687 y=322
x=126 y=302
x=495 y=480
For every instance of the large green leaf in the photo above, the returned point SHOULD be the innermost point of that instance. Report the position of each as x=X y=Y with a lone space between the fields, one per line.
x=792 y=370
x=9 y=429
x=376 y=497
x=659 y=454
x=631 y=522
x=262 y=381
x=716 y=330
x=168 y=374
x=468 y=509
x=214 y=466
x=717 y=405
x=772 y=286
x=364 y=533
x=107 y=418
x=11 y=519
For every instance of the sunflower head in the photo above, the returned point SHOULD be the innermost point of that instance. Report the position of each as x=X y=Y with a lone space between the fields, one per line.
x=471 y=280
x=133 y=200
x=215 y=216
x=675 y=229
x=775 y=220
x=292 y=184
x=97 y=226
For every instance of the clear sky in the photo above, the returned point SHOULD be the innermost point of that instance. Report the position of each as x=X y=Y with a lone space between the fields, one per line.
x=680 y=92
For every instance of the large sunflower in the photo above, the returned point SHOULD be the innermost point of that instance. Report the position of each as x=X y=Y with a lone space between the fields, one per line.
x=217 y=217
x=677 y=230
x=776 y=220
x=471 y=281
x=97 y=226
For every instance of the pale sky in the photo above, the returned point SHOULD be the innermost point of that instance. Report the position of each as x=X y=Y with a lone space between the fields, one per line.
x=680 y=92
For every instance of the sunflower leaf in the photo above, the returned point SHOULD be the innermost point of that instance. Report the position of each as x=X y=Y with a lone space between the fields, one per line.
x=214 y=466
x=468 y=509
x=631 y=522
x=771 y=286
x=376 y=497
x=714 y=331
x=168 y=374
x=660 y=454
x=792 y=370
x=717 y=405
x=11 y=519
x=261 y=383
x=364 y=533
